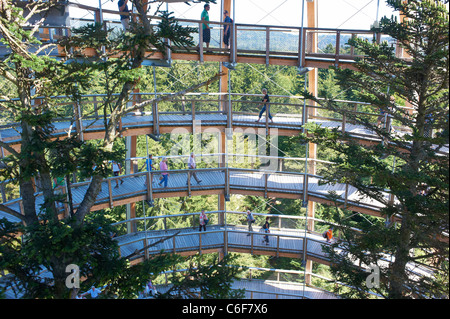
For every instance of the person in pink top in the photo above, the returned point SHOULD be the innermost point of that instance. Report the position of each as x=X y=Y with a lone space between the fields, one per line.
x=203 y=221
x=165 y=176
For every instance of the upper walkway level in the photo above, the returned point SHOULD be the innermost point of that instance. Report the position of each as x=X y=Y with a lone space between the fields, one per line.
x=249 y=43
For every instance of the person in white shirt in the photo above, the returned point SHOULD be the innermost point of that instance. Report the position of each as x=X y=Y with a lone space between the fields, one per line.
x=93 y=291
x=250 y=221
x=192 y=166
x=116 y=168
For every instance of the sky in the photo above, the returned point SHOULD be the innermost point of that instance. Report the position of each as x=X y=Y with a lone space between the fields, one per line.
x=342 y=14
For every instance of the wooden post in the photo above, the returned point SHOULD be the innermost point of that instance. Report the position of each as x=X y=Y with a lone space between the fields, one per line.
x=344 y=119
x=267 y=45
x=189 y=183
x=149 y=177
x=338 y=47
x=193 y=116
x=225 y=242
x=352 y=48
x=222 y=164
x=146 y=249
x=227 y=182
x=346 y=196
x=111 y=203
x=155 y=116
x=278 y=245
x=313 y=88
x=200 y=40
x=234 y=44
x=266 y=176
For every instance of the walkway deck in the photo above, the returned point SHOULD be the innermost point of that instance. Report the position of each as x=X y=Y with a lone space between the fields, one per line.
x=283 y=242
x=214 y=181
x=137 y=124
x=272 y=289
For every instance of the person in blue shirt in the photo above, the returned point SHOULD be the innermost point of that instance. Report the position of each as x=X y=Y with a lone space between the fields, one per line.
x=227 y=29
x=149 y=164
x=124 y=18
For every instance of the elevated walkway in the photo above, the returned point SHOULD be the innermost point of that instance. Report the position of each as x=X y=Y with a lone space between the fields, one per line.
x=205 y=115
x=226 y=181
x=272 y=289
x=287 y=238
x=252 y=43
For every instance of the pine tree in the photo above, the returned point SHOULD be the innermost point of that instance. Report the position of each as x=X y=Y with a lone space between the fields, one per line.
x=411 y=168
x=32 y=74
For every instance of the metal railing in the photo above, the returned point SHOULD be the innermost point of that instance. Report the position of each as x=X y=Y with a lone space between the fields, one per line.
x=265 y=41
x=296 y=179
x=288 y=234
x=89 y=113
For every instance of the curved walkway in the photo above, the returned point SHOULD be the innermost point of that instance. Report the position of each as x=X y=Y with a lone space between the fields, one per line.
x=292 y=243
x=272 y=289
x=143 y=123
x=225 y=181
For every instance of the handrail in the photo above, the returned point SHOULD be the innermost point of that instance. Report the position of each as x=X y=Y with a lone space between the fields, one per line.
x=303 y=33
x=80 y=116
x=116 y=12
x=110 y=196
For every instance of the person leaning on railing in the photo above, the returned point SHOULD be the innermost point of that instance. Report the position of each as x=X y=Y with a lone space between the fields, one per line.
x=124 y=18
x=227 y=29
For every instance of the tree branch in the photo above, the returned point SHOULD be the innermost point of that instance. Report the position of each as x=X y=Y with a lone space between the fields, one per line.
x=170 y=96
x=138 y=251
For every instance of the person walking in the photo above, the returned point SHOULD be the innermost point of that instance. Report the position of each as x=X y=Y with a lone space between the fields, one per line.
x=192 y=166
x=266 y=227
x=265 y=103
x=149 y=165
x=250 y=221
x=124 y=18
x=205 y=26
x=203 y=221
x=165 y=176
x=227 y=29
x=116 y=168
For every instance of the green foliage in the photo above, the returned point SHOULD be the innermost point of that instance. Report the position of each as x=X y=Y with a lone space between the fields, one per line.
x=404 y=173
x=206 y=278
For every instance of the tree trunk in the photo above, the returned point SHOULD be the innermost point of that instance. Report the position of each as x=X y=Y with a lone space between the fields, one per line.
x=399 y=278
